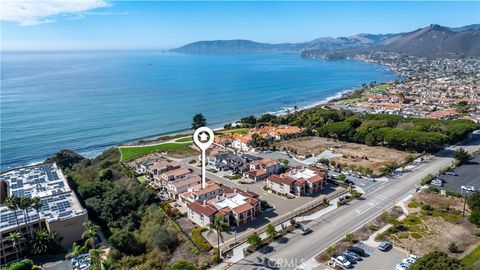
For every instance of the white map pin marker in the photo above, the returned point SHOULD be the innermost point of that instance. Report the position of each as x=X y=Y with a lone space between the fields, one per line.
x=203 y=138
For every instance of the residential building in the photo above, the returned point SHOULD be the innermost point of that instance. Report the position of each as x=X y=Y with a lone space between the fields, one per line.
x=176 y=187
x=172 y=175
x=196 y=193
x=299 y=181
x=261 y=169
x=61 y=212
x=235 y=206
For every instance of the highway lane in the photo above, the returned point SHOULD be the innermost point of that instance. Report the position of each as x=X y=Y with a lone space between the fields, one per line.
x=336 y=224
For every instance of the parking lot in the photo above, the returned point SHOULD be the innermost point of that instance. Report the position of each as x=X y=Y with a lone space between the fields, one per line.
x=380 y=260
x=467 y=175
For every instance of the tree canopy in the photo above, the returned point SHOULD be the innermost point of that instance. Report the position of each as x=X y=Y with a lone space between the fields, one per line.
x=437 y=260
x=198 y=121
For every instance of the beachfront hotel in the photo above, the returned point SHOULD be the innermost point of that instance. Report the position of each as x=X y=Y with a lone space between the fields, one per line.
x=61 y=212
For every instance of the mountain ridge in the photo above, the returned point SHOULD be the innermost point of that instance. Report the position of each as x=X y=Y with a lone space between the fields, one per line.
x=431 y=41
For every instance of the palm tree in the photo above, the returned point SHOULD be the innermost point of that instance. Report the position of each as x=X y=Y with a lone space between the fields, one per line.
x=37 y=205
x=218 y=226
x=96 y=255
x=24 y=204
x=43 y=241
x=15 y=237
x=12 y=204
x=76 y=250
x=107 y=265
x=90 y=233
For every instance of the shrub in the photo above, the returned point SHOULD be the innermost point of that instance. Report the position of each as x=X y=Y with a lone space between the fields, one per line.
x=414 y=204
x=198 y=239
x=427 y=207
x=453 y=248
x=416 y=235
x=427 y=179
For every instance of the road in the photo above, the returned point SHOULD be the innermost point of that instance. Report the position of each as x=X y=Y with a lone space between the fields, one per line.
x=297 y=249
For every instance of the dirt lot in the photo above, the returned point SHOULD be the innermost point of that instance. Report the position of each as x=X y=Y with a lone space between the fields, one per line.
x=435 y=221
x=354 y=154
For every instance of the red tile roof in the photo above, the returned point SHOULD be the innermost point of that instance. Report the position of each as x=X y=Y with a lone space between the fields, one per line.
x=202 y=209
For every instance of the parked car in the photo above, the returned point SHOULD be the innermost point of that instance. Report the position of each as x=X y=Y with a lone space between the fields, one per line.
x=305 y=230
x=349 y=181
x=408 y=260
x=437 y=182
x=415 y=257
x=349 y=259
x=402 y=266
x=468 y=188
x=353 y=255
x=340 y=260
x=451 y=174
x=359 y=251
x=385 y=246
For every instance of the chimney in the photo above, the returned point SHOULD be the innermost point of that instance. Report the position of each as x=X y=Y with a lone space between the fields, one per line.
x=204 y=202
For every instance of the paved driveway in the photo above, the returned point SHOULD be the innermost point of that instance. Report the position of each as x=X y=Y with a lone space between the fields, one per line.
x=467 y=175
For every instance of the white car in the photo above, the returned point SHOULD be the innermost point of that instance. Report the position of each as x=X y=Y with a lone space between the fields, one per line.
x=415 y=257
x=402 y=266
x=408 y=260
x=340 y=260
x=468 y=188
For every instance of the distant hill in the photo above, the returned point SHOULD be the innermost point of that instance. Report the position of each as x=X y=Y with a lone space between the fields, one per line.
x=431 y=41
x=434 y=41
x=226 y=46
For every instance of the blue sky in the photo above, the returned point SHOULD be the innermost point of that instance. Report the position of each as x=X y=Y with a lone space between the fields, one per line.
x=96 y=24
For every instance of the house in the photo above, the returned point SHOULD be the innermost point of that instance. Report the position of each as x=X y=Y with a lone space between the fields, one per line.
x=228 y=161
x=176 y=187
x=162 y=166
x=261 y=169
x=314 y=178
x=172 y=175
x=299 y=181
x=197 y=194
x=235 y=206
x=241 y=142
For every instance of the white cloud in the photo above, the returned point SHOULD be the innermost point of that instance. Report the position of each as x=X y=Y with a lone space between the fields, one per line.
x=32 y=12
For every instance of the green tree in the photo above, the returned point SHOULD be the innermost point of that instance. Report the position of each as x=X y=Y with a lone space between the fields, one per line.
x=342 y=177
x=164 y=240
x=37 y=204
x=461 y=155
x=106 y=174
x=198 y=121
x=254 y=240
x=25 y=264
x=76 y=250
x=219 y=227
x=271 y=231
x=473 y=201
x=13 y=204
x=90 y=233
x=24 y=204
x=96 y=255
x=125 y=242
x=15 y=238
x=437 y=260
x=43 y=242
x=181 y=265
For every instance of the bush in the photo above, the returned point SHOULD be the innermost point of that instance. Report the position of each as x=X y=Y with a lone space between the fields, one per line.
x=453 y=248
x=427 y=207
x=437 y=260
x=427 y=179
x=198 y=239
x=25 y=264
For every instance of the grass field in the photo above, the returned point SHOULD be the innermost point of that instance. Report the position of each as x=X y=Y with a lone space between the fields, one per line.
x=171 y=148
x=352 y=100
x=235 y=131
x=379 y=88
x=473 y=259
x=185 y=139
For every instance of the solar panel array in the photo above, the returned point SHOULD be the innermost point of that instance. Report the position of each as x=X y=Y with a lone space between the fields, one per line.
x=42 y=181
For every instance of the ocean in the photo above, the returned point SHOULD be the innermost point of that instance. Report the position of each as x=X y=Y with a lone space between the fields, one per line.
x=90 y=101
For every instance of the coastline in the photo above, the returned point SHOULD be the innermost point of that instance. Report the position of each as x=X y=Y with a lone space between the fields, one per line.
x=162 y=137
